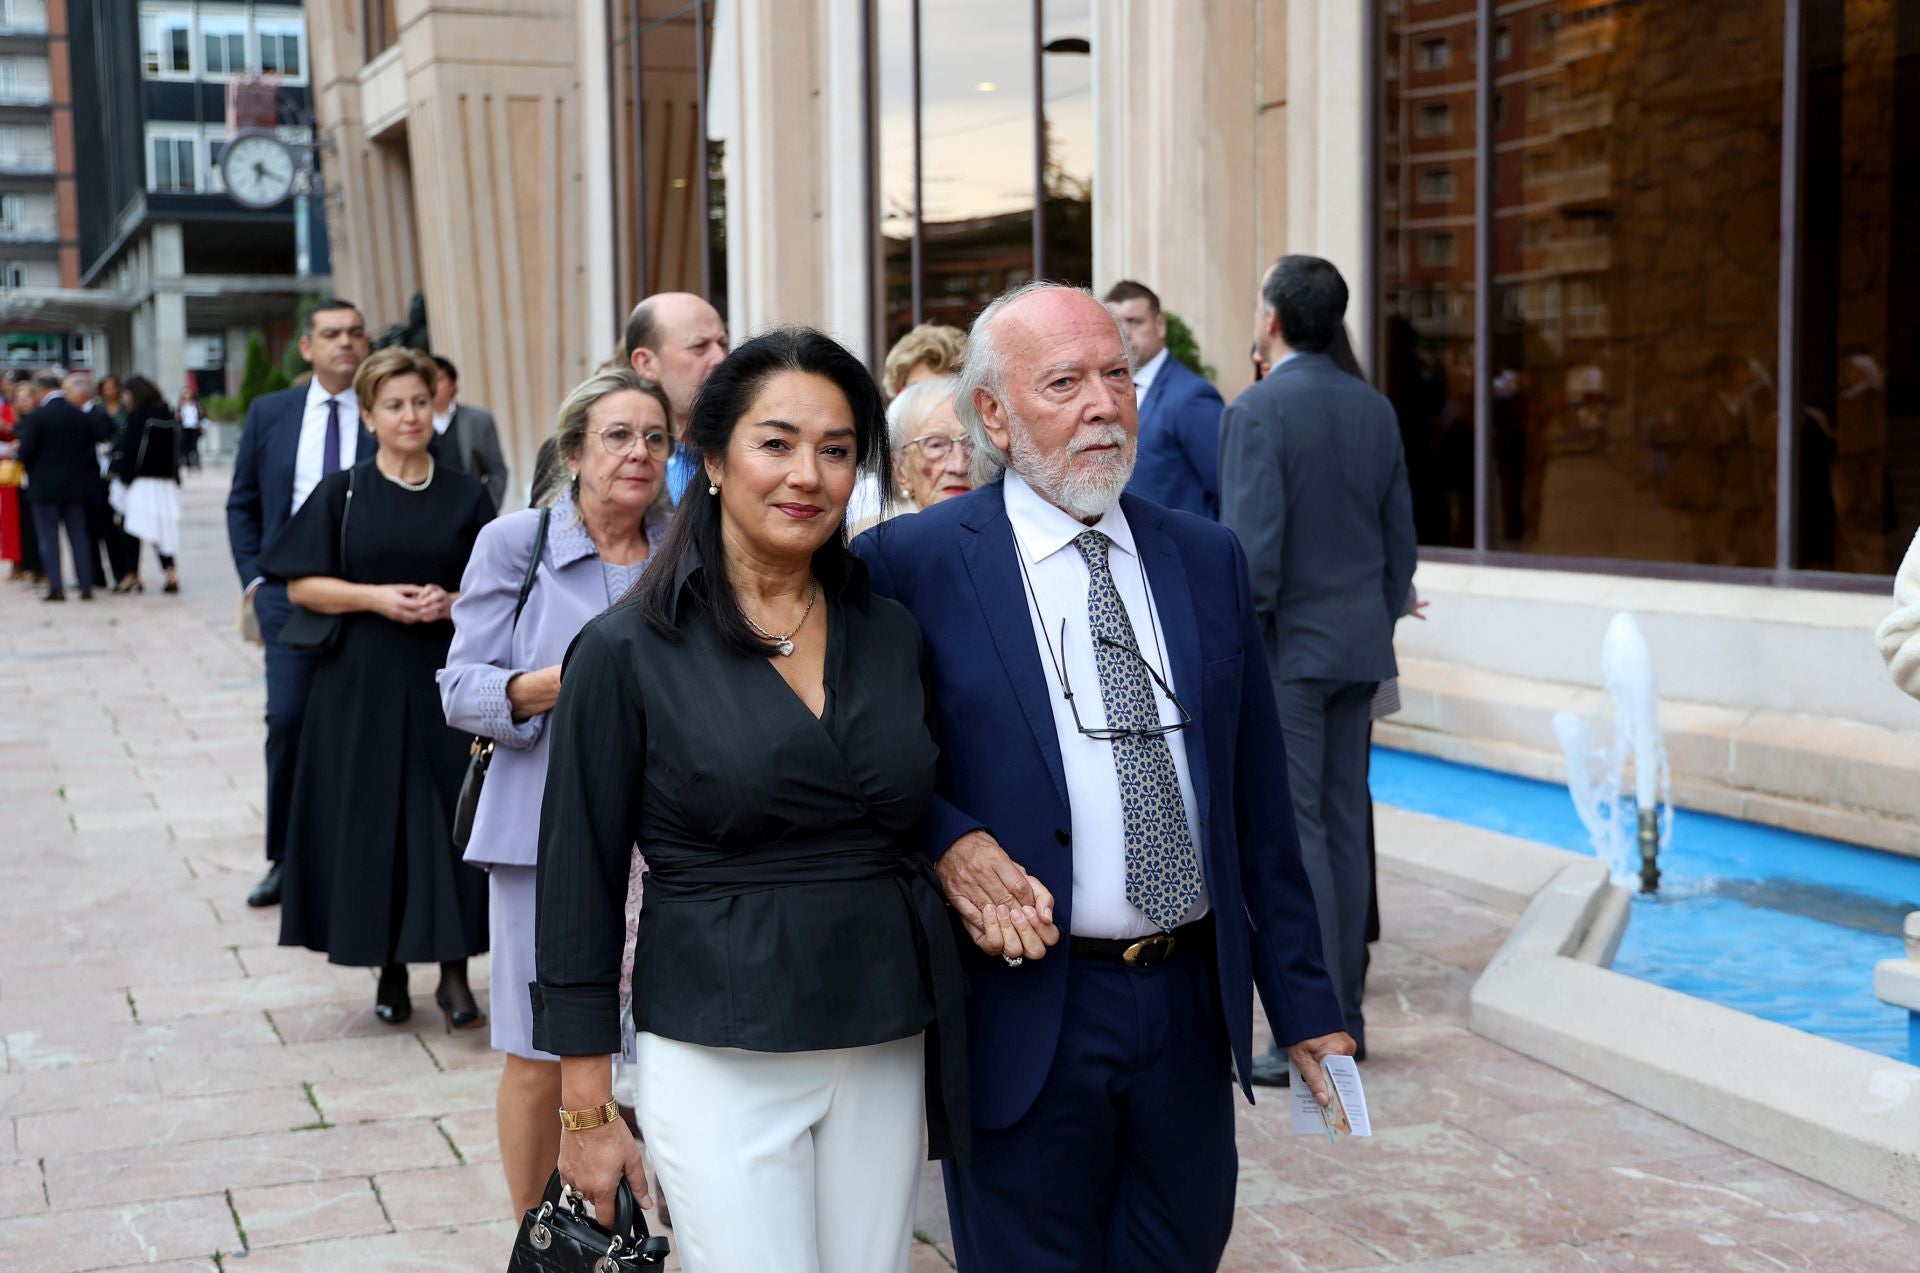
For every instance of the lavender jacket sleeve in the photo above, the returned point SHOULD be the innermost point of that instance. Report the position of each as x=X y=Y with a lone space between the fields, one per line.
x=473 y=685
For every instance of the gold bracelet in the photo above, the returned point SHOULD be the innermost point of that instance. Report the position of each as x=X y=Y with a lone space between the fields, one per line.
x=580 y=1120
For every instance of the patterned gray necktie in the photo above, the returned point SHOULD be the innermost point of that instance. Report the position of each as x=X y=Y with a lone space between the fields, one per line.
x=1163 y=876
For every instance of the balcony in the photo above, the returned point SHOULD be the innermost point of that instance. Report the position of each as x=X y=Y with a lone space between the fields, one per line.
x=24 y=232
x=31 y=98
x=26 y=163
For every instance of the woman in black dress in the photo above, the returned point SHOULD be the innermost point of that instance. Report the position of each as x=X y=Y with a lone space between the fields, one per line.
x=149 y=464
x=372 y=876
x=755 y=719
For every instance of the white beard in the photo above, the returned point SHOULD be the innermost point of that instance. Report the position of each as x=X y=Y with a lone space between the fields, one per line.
x=1086 y=489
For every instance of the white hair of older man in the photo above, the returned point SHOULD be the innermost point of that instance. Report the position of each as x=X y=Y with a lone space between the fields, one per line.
x=911 y=407
x=986 y=368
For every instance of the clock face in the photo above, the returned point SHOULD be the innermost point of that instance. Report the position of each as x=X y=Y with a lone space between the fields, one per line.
x=258 y=169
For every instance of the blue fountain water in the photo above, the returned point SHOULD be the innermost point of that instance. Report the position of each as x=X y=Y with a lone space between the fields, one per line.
x=1782 y=925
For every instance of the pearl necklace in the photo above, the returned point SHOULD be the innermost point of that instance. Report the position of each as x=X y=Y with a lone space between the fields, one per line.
x=783 y=641
x=404 y=485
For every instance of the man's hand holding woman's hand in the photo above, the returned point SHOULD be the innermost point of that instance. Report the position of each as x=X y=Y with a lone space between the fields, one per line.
x=1007 y=912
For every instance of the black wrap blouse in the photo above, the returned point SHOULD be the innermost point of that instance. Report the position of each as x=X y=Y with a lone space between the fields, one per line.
x=788 y=904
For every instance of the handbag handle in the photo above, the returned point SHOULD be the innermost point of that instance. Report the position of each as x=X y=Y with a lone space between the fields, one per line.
x=629 y=1225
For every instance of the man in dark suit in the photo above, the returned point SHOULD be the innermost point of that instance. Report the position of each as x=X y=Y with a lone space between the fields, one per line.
x=290 y=441
x=1179 y=463
x=676 y=339
x=1316 y=488
x=60 y=448
x=469 y=440
x=1123 y=859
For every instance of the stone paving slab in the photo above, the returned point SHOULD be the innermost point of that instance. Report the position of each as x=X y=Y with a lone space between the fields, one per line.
x=159 y=1049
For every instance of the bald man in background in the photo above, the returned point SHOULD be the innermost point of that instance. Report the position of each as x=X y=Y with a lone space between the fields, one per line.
x=677 y=339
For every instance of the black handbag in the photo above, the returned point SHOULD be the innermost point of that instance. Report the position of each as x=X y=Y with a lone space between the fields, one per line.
x=480 y=751
x=561 y=1236
x=310 y=630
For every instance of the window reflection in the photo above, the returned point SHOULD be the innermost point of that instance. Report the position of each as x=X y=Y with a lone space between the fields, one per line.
x=1859 y=425
x=1066 y=49
x=1636 y=273
x=1426 y=254
x=893 y=43
x=977 y=154
x=672 y=223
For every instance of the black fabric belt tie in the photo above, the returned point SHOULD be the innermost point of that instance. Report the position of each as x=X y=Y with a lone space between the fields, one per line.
x=1150 y=951
x=697 y=873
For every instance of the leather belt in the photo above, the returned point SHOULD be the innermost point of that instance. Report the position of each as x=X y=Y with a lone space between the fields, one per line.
x=1147 y=952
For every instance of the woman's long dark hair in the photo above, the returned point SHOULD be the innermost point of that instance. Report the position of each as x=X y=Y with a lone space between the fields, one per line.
x=138 y=391
x=721 y=405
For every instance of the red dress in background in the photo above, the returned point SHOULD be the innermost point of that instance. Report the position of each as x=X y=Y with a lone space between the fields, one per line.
x=9 y=496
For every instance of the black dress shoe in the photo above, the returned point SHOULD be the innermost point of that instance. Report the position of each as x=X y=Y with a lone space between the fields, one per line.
x=267 y=891
x=390 y=1001
x=1270 y=1069
x=54 y=596
x=86 y=594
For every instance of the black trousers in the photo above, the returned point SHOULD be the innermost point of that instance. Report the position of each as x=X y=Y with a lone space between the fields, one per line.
x=289 y=683
x=47 y=520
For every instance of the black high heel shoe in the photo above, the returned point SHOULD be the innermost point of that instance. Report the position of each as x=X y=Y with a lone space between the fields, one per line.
x=456 y=1002
x=390 y=1001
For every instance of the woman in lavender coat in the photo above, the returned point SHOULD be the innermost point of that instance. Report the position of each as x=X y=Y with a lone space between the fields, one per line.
x=613 y=435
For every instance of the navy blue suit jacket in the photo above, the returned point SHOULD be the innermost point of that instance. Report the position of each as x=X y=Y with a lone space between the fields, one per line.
x=1000 y=769
x=260 y=501
x=1179 y=464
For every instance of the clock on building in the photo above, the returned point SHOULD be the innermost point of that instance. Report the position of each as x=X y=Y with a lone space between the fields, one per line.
x=258 y=169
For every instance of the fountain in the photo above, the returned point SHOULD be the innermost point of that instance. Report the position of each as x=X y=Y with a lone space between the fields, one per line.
x=1626 y=728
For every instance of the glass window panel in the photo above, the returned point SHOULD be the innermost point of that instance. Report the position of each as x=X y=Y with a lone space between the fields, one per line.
x=893 y=54
x=717 y=167
x=1066 y=48
x=1636 y=252
x=1426 y=255
x=672 y=147
x=977 y=148
x=1859 y=425
x=179 y=51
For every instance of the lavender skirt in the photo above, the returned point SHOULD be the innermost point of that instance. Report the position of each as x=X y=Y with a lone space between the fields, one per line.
x=511 y=895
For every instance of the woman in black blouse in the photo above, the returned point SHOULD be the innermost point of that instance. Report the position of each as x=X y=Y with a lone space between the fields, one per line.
x=754 y=720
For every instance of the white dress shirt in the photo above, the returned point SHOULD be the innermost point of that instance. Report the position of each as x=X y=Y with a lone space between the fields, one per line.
x=313 y=439
x=441 y=423
x=1043 y=536
x=1144 y=376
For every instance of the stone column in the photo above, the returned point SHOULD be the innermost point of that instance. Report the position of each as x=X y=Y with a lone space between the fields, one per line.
x=168 y=361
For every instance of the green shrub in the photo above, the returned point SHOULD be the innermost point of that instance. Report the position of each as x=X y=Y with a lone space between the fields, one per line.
x=222 y=409
x=1182 y=345
x=257 y=376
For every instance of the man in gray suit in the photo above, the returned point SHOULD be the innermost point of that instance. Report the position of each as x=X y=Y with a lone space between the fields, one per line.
x=469 y=440
x=1314 y=481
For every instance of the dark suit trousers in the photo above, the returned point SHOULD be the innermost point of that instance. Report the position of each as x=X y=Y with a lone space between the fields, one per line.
x=1326 y=725
x=47 y=520
x=289 y=681
x=1126 y=1162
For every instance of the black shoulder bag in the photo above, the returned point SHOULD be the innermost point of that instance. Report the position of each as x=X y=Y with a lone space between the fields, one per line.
x=480 y=750
x=310 y=630
x=561 y=1236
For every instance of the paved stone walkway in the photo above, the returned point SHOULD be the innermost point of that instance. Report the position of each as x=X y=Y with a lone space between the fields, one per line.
x=178 y=1091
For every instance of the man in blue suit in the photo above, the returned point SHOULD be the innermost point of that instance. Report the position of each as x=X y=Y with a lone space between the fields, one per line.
x=1111 y=821
x=290 y=441
x=1179 y=464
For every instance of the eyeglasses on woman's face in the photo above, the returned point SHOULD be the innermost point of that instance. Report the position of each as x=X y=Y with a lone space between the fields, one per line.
x=620 y=441
x=936 y=447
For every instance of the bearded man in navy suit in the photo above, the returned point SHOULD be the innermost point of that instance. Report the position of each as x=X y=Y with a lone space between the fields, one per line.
x=290 y=441
x=1111 y=818
x=1179 y=462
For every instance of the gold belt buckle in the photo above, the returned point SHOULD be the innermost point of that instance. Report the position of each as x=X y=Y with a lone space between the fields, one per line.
x=1150 y=952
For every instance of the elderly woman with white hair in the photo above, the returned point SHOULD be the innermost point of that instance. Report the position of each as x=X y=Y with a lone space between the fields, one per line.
x=932 y=453
x=536 y=577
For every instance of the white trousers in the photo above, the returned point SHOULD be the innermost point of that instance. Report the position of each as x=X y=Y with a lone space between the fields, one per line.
x=801 y=1162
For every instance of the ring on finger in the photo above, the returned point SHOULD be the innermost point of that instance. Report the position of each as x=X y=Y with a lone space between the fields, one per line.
x=1014 y=961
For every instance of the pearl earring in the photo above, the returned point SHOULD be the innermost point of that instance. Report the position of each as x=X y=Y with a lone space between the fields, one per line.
x=712 y=489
